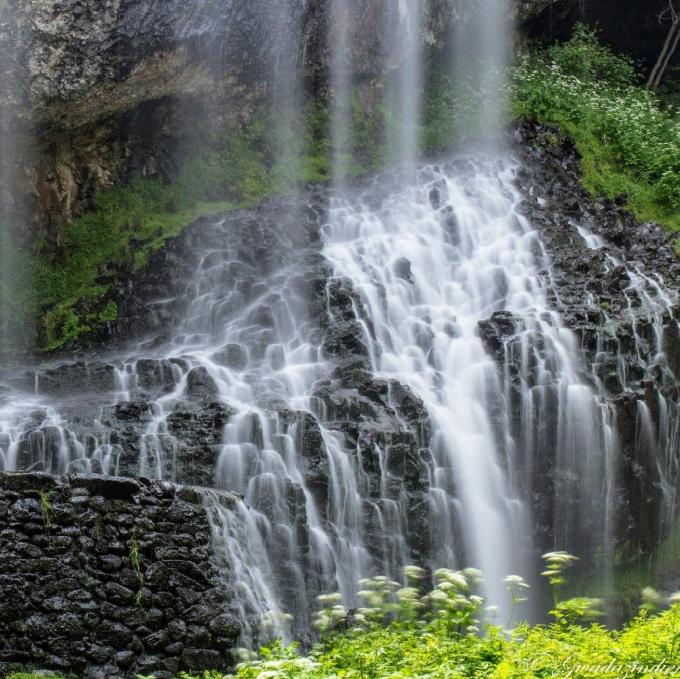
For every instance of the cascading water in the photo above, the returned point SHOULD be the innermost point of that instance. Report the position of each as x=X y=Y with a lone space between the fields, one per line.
x=431 y=262
x=482 y=47
x=653 y=432
x=366 y=376
x=407 y=90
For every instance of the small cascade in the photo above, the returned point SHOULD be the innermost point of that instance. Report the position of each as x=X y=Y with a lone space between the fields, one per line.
x=630 y=361
x=243 y=561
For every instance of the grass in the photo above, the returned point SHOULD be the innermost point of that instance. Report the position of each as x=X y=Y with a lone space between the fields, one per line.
x=46 y=508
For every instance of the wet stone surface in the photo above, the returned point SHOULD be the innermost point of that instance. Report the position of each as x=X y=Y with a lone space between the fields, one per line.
x=106 y=577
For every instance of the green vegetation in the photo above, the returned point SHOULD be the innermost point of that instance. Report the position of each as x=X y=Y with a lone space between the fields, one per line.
x=628 y=141
x=136 y=563
x=46 y=508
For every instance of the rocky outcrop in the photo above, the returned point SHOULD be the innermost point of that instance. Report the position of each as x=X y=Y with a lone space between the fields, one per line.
x=107 y=577
x=99 y=92
x=614 y=282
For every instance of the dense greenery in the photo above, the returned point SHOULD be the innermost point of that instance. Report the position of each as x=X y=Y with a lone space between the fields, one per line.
x=628 y=141
x=430 y=650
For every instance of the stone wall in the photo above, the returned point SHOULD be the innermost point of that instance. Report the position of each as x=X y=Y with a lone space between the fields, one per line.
x=104 y=577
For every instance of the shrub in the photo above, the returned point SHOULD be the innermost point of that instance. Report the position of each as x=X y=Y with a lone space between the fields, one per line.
x=585 y=58
x=401 y=633
x=629 y=143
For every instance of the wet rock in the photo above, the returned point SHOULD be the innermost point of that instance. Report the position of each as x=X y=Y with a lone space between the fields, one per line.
x=76 y=378
x=155 y=376
x=225 y=625
x=402 y=269
x=200 y=385
x=497 y=331
x=232 y=356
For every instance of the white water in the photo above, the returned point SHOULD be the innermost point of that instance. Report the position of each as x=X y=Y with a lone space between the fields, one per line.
x=482 y=53
x=409 y=82
x=427 y=274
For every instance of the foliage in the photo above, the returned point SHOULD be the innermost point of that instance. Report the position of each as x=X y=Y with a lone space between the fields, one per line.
x=585 y=58
x=136 y=563
x=46 y=508
x=556 y=564
x=629 y=143
x=431 y=649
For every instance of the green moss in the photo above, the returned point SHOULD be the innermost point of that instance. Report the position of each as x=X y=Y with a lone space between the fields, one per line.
x=109 y=313
x=46 y=508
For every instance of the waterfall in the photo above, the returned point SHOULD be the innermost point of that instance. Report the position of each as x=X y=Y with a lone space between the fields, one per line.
x=408 y=87
x=372 y=373
x=13 y=217
x=341 y=122
x=482 y=45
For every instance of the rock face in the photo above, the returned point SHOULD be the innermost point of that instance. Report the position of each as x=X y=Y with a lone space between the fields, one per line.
x=603 y=278
x=106 y=577
x=101 y=91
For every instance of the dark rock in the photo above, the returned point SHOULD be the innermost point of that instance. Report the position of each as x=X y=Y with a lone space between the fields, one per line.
x=198 y=657
x=200 y=385
x=225 y=625
x=79 y=614
x=232 y=356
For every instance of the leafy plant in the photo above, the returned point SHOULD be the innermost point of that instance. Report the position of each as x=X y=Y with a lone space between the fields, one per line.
x=46 y=508
x=628 y=141
x=556 y=565
x=136 y=563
